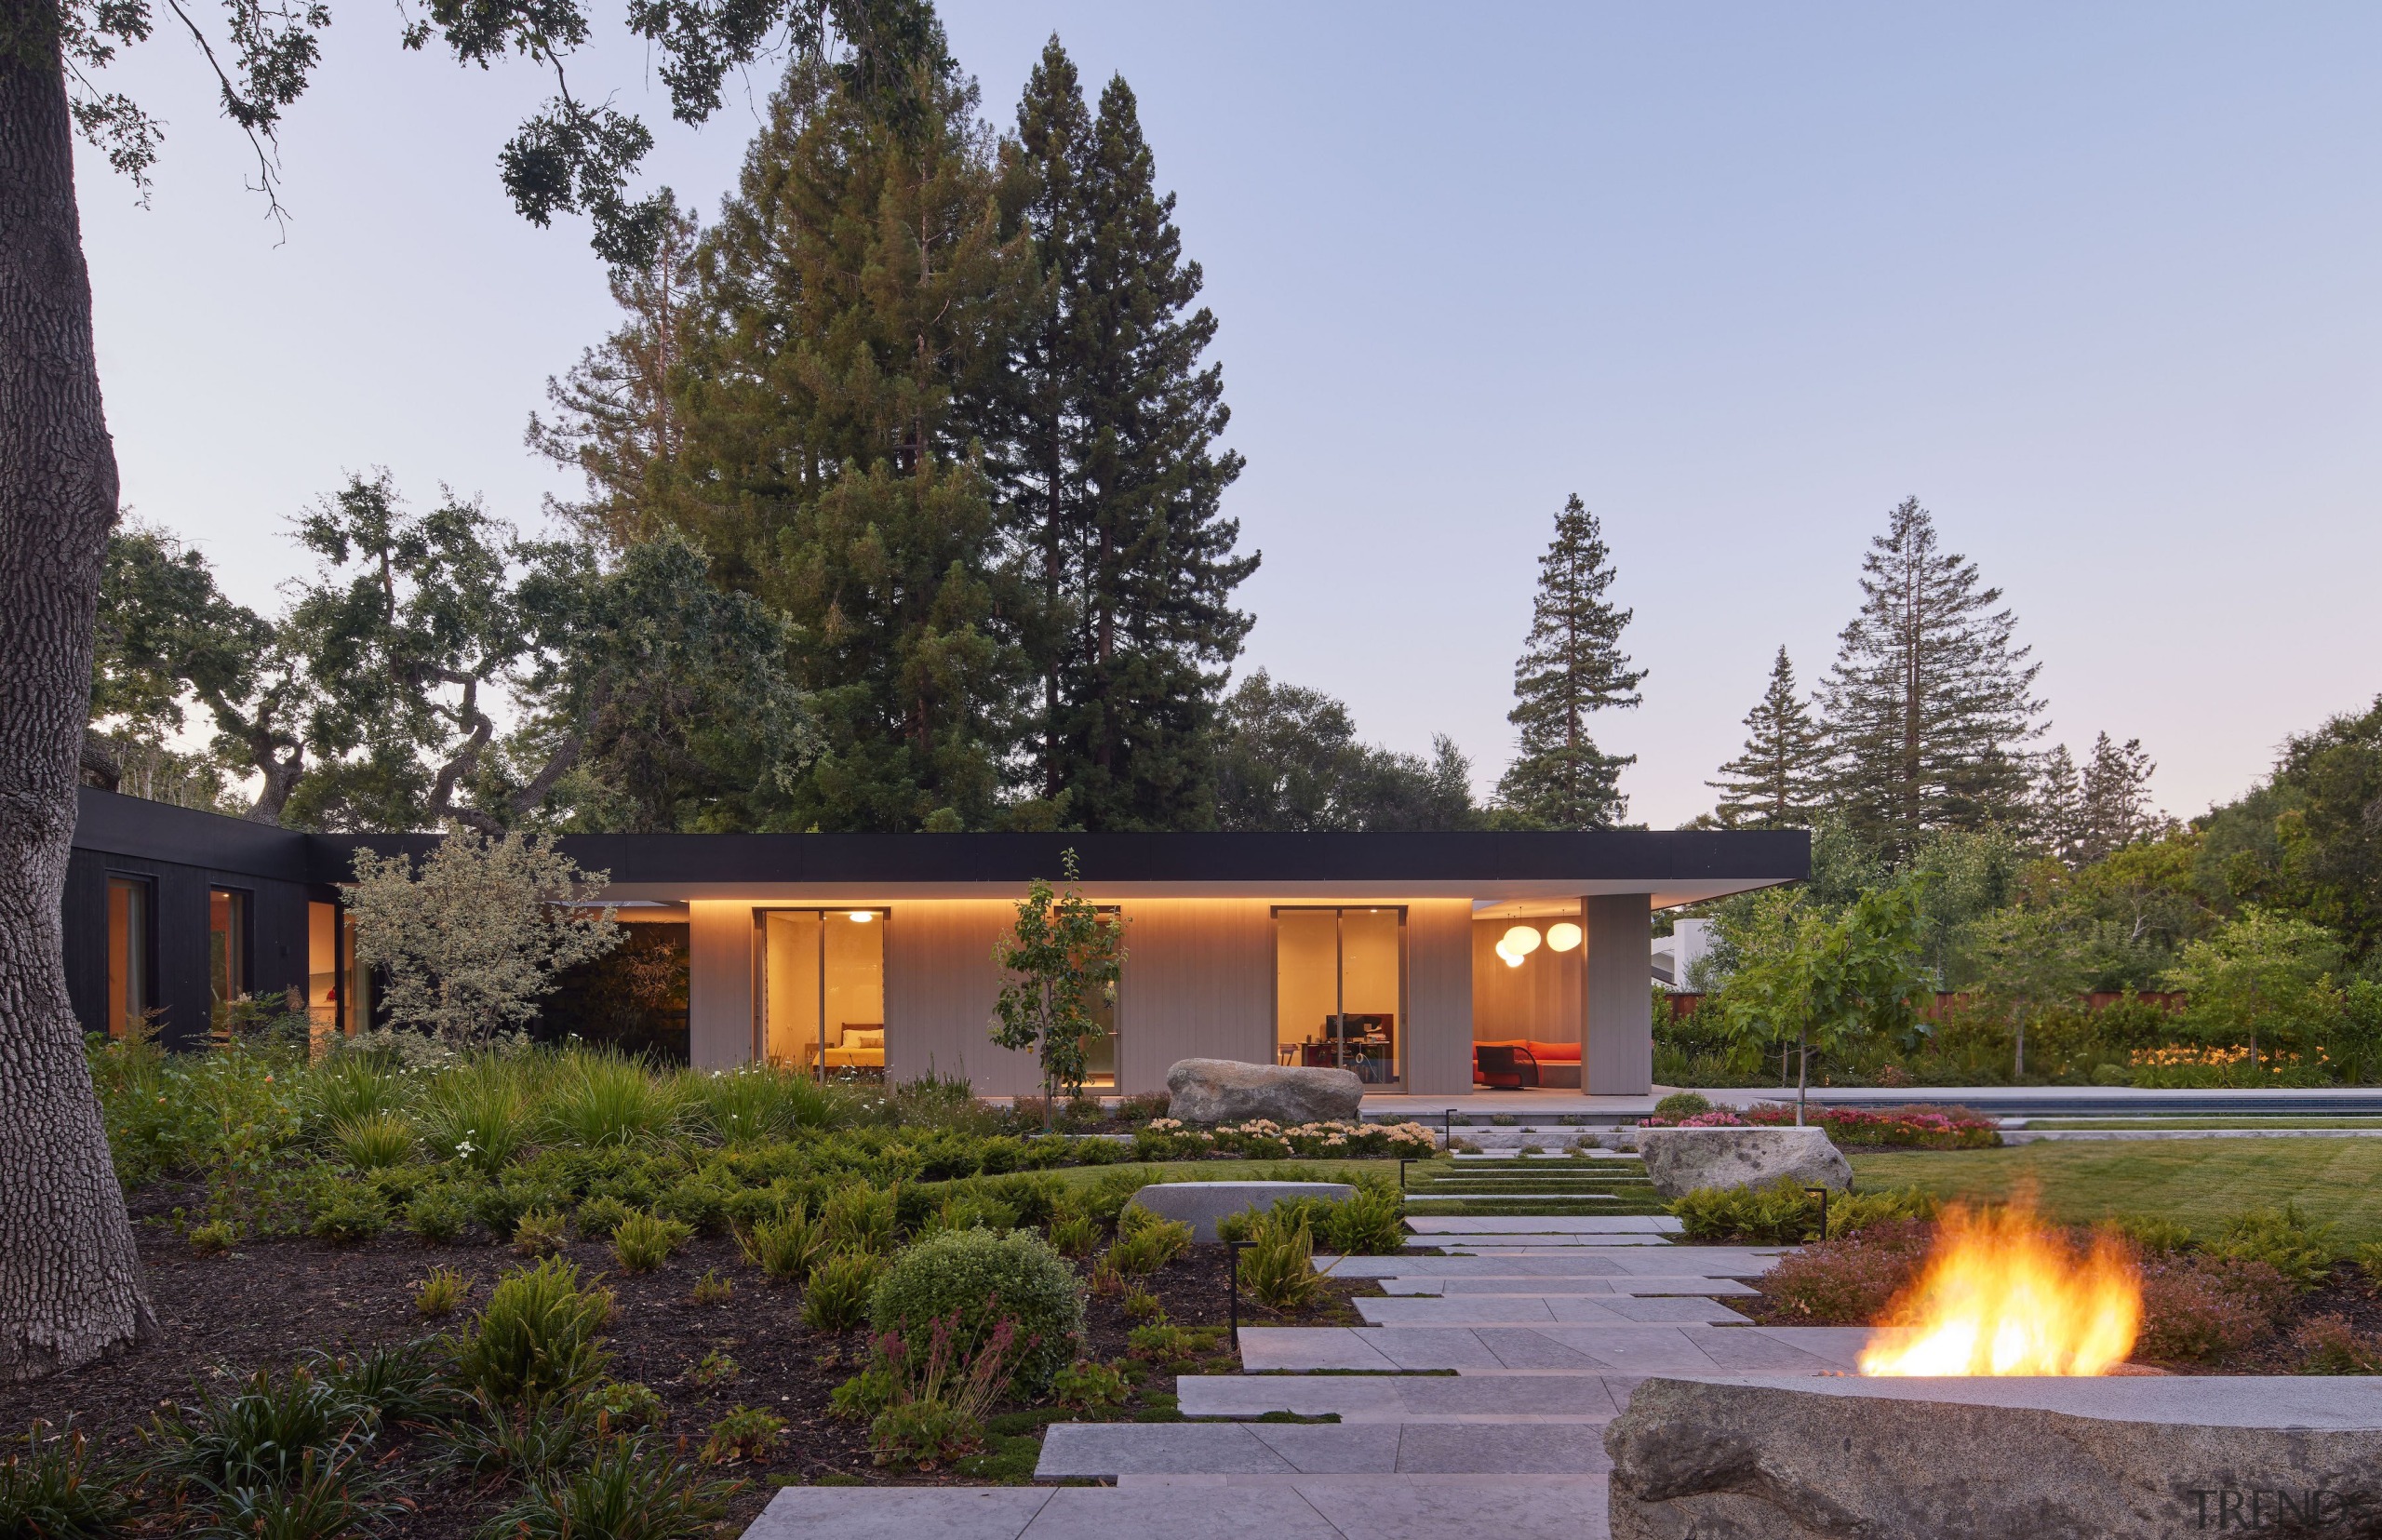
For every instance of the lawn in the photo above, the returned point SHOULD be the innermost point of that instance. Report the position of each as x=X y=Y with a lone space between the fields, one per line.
x=2247 y=1120
x=1229 y=1170
x=2199 y=1182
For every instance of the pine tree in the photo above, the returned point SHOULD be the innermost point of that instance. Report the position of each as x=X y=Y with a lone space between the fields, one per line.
x=1118 y=482
x=2114 y=799
x=1572 y=665
x=2058 y=813
x=619 y=420
x=857 y=295
x=1929 y=707
x=1779 y=780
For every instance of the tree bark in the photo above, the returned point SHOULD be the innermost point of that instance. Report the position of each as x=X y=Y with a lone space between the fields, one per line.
x=70 y=1287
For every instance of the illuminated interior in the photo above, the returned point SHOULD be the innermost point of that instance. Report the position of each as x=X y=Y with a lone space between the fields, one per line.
x=227 y=947
x=822 y=990
x=1339 y=989
x=127 y=954
x=322 y=970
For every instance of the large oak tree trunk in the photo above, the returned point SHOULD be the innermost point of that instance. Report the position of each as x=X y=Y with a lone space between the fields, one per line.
x=70 y=1280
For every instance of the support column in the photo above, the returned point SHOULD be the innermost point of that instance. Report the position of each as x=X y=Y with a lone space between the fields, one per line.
x=1616 y=994
x=720 y=984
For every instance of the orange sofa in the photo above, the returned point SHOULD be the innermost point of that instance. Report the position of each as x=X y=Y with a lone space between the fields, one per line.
x=1555 y=1066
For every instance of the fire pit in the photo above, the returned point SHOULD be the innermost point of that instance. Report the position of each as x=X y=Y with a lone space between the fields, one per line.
x=1998 y=1401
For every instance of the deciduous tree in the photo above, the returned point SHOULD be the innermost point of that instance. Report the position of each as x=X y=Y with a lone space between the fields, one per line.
x=1062 y=958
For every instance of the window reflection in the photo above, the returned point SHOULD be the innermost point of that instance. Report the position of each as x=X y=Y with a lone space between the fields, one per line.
x=129 y=991
x=1339 y=983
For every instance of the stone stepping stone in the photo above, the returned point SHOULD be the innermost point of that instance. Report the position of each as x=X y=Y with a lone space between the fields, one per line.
x=1320 y=1449
x=1494 y=1245
x=1401 y=1398
x=1323 y=1508
x=1519 y=1223
x=1615 y=1311
x=1455 y=1288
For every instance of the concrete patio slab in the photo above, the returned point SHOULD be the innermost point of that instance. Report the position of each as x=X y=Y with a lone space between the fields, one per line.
x=1392 y=1398
x=898 y=1513
x=1434 y=1265
x=1488 y=1448
x=1309 y=1348
x=1647 y=1223
x=1434 y=1508
x=1533 y=1310
x=1545 y=1288
x=1109 y=1448
x=1320 y=1449
x=1222 y=1512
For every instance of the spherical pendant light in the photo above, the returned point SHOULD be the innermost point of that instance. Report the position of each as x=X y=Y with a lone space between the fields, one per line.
x=1521 y=939
x=1563 y=936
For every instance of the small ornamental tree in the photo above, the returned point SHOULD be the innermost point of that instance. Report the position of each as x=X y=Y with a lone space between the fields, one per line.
x=2261 y=971
x=1063 y=960
x=1831 y=983
x=469 y=943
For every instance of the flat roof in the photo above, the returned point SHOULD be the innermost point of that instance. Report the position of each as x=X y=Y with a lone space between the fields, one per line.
x=1678 y=867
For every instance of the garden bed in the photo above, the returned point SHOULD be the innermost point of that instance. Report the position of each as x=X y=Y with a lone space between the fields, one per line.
x=268 y=1304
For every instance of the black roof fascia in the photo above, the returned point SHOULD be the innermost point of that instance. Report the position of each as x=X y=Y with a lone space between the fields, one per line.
x=1666 y=856
x=114 y=825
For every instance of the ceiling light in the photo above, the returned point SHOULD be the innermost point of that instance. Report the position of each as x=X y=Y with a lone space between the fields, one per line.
x=861 y=917
x=1513 y=959
x=1521 y=939
x=1563 y=936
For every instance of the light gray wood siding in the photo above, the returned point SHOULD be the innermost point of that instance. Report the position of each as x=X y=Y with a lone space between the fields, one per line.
x=1438 y=997
x=720 y=984
x=940 y=990
x=1199 y=984
x=1616 y=995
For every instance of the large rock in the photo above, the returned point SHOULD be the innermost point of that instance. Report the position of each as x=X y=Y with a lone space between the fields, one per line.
x=1982 y=1459
x=1223 y=1091
x=1680 y=1161
x=1200 y=1204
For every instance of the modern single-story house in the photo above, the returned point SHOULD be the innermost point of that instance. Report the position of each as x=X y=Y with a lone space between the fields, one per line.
x=1427 y=963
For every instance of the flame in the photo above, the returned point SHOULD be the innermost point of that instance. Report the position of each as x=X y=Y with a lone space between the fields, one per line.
x=2002 y=1294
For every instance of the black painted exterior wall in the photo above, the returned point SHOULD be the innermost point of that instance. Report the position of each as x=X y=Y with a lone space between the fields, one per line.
x=182 y=853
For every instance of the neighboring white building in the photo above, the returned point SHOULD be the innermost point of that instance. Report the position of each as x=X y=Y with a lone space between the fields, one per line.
x=1676 y=954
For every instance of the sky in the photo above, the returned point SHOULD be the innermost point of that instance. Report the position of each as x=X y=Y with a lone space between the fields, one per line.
x=2095 y=283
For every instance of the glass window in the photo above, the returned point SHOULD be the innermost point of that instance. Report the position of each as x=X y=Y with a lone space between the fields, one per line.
x=1340 y=987
x=1100 y=1044
x=227 y=946
x=355 y=991
x=822 y=990
x=129 y=992
x=322 y=971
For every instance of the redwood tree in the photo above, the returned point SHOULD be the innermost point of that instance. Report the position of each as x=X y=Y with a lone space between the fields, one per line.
x=69 y=1278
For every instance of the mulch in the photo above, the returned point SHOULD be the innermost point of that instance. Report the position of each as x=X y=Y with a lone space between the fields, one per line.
x=268 y=1303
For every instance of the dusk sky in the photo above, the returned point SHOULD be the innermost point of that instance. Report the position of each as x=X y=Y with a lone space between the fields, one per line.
x=2098 y=284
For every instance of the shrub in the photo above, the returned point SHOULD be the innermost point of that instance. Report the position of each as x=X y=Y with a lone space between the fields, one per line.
x=2331 y=1346
x=372 y=1140
x=785 y=1248
x=1146 y=1242
x=267 y=1431
x=538 y=1335
x=1141 y=1304
x=354 y=1213
x=644 y=1241
x=1680 y=1104
x=50 y=1491
x=214 y=1238
x=837 y=1297
x=440 y=1292
x=542 y=1434
x=439 y=1215
x=761 y=1103
x=1371 y=1222
x=541 y=1232
x=2283 y=1240
x=2367 y=1256
x=475 y=1114
x=1847 y=1282
x=747 y=1433
x=979 y=1279
x=625 y=1404
x=714 y=1368
x=599 y=1217
x=2195 y=1308
x=324 y=1499
x=861 y=1218
x=860 y=1398
x=1087 y=1385
x=632 y=1490
x=696 y=1203
x=942 y=1387
x=973 y=1211
x=1779 y=1214
x=349 y=1089
x=601 y=1100
x=714 y=1288
x=395 y=1382
x=1278 y=1268
x=2151 y=1235
x=1074 y=1235
x=1169 y=1347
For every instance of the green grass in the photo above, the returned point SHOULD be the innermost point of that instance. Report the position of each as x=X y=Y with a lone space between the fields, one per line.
x=2196 y=1181
x=1228 y=1170
x=2246 y=1120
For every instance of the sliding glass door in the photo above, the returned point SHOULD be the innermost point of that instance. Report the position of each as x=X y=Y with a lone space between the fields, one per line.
x=1340 y=989
x=822 y=990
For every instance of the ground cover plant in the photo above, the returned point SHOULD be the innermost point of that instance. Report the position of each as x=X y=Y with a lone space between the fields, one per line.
x=2263 y=1290
x=601 y=1319
x=2198 y=1183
